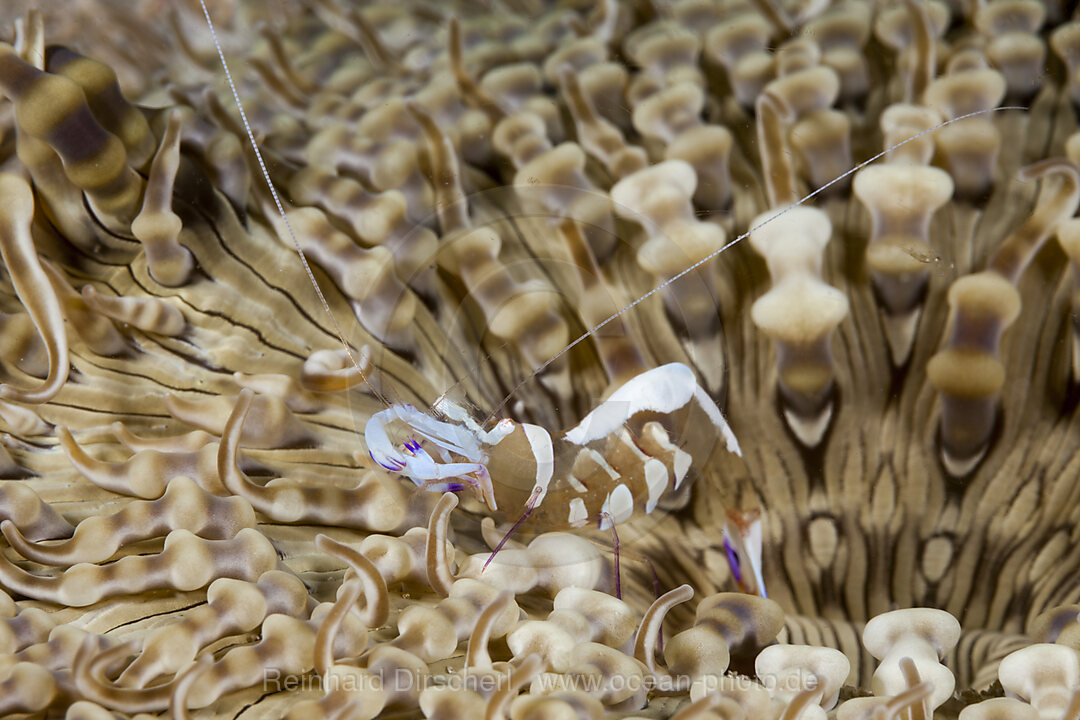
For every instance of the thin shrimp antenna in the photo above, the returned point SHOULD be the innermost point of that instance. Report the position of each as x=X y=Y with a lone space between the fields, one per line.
x=547 y=363
x=281 y=208
x=529 y=507
x=615 y=548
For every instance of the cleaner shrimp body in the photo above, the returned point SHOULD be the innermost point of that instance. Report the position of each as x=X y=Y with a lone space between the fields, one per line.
x=608 y=472
x=597 y=472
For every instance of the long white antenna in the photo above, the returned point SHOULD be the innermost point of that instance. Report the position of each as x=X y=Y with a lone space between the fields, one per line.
x=280 y=207
x=710 y=256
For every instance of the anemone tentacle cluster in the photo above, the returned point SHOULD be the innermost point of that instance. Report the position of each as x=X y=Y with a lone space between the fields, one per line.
x=193 y=524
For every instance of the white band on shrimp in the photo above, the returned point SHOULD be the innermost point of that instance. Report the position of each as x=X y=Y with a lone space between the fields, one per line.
x=661 y=390
x=544 y=455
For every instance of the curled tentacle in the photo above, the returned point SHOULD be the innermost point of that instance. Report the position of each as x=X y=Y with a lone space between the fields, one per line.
x=33 y=288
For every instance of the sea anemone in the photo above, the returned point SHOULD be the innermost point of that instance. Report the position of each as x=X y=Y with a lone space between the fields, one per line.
x=516 y=211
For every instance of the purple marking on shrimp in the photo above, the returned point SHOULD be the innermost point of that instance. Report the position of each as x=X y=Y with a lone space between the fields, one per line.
x=392 y=468
x=412 y=446
x=733 y=560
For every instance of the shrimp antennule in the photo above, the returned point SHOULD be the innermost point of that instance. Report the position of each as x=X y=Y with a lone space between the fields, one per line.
x=530 y=505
